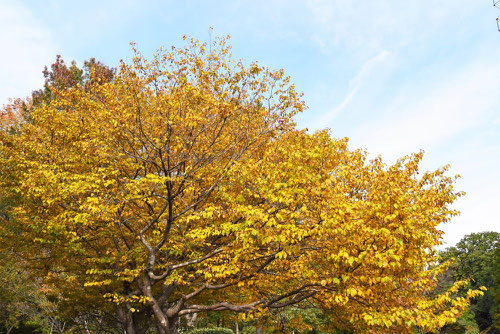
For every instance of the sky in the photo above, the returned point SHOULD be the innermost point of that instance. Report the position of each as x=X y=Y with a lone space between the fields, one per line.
x=395 y=77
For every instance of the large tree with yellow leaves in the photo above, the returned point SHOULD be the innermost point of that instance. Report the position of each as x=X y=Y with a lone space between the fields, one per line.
x=183 y=186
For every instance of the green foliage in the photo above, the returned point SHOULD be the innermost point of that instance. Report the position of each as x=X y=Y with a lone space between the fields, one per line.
x=495 y=290
x=20 y=298
x=248 y=330
x=465 y=324
x=25 y=327
x=302 y=319
x=295 y=319
x=476 y=258
x=213 y=330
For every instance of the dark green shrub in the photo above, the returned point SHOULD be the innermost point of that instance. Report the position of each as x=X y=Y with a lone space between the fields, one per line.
x=213 y=330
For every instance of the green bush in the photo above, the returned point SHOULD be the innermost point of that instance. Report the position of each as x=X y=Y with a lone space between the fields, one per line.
x=466 y=324
x=212 y=330
x=248 y=330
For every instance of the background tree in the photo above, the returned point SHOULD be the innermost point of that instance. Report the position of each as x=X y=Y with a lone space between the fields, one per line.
x=182 y=186
x=475 y=259
x=495 y=290
x=61 y=76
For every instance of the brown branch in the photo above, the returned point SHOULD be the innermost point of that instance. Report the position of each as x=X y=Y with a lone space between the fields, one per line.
x=171 y=268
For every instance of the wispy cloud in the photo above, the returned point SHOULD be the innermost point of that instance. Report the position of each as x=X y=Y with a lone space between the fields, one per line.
x=354 y=85
x=370 y=25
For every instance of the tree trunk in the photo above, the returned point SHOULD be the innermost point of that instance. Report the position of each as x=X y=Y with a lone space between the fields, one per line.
x=169 y=328
x=172 y=326
x=259 y=330
x=159 y=329
x=236 y=327
x=126 y=320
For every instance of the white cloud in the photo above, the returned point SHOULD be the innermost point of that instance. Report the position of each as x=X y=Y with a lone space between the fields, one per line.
x=425 y=117
x=478 y=207
x=27 y=47
x=476 y=160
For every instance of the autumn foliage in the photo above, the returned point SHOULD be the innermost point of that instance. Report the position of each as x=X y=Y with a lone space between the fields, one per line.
x=183 y=186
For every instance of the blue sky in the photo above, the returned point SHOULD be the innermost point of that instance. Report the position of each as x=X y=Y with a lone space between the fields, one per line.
x=393 y=76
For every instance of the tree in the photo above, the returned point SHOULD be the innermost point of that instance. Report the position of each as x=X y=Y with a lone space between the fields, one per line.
x=60 y=77
x=495 y=290
x=475 y=259
x=182 y=186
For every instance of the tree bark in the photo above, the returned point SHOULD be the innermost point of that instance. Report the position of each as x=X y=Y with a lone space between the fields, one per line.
x=236 y=327
x=162 y=321
x=172 y=326
x=159 y=329
x=126 y=320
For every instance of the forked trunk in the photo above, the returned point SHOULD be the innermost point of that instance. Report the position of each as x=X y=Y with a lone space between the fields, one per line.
x=126 y=320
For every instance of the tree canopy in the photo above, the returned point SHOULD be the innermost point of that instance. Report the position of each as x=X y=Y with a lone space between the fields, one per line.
x=182 y=185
